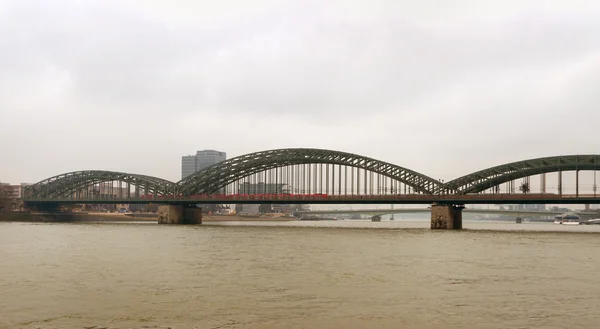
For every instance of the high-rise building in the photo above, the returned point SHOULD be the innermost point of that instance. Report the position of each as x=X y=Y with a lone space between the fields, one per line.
x=203 y=159
x=188 y=165
x=208 y=158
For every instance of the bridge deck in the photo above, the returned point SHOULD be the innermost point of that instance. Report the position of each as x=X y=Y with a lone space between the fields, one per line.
x=389 y=211
x=344 y=199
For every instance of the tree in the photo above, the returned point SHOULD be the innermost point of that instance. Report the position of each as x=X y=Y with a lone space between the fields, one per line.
x=4 y=196
x=524 y=188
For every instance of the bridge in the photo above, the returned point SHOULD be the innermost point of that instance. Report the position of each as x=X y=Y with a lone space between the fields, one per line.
x=529 y=213
x=319 y=176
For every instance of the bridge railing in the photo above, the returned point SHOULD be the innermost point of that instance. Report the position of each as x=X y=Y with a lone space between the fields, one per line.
x=324 y=197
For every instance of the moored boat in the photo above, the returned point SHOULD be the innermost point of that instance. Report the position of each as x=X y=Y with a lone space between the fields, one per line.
x=567 y=219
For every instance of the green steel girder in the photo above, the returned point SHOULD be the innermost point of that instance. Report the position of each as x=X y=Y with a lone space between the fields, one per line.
x=65 y=184
x=220 y=175
x=482 y=180
x=213 y=178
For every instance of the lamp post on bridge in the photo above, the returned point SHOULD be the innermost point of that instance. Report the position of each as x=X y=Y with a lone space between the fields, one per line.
x=393 y=191
x=383 y=190
x=595 y=183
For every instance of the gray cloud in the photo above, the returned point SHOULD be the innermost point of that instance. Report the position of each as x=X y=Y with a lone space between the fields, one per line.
x=132 y=85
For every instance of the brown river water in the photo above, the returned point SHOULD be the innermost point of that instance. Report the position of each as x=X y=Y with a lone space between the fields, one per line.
x=344 y=274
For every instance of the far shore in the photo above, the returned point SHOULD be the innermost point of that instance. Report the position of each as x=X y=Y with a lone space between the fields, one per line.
x=236 y=218
x=129 y=217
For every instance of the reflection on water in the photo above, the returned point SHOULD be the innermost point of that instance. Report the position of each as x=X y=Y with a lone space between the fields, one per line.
x=298 y=275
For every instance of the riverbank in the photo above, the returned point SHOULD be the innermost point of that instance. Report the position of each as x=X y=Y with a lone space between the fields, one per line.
x=35 y=217
x=236 y=218
x=117 y=217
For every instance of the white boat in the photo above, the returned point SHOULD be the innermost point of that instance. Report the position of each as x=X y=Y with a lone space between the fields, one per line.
x=567 y=219
x=595 y=221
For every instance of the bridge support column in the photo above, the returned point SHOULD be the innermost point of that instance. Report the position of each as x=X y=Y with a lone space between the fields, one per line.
x=179 y=214
x=446 y=216
x=42 y=207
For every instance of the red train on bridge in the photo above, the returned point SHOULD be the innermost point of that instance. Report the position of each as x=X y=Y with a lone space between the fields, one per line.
x=317 y=196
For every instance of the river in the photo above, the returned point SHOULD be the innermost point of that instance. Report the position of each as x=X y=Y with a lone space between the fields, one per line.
x=344 y=274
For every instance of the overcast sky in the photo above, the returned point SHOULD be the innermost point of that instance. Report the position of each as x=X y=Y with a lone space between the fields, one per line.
x=441 y=87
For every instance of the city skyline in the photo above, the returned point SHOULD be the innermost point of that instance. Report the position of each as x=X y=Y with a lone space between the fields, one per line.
x=446 y=92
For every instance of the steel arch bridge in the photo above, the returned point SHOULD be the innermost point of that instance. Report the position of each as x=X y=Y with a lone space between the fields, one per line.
x=77 y=182
x=491 y=177
x=218 y=176
x=301 y=171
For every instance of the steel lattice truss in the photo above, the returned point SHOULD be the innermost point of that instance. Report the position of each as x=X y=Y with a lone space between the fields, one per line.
x=69 y=183
x=220 y=175
x=491 y=177
x=216 y=177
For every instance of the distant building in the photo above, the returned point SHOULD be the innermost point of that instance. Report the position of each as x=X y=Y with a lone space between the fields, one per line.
x=533 y=207
x=263 y=188
x=248 y=209
x=191 y=164
x=203 y=159
x=528 y=207
x=188 y=165
x=207 y=158
x=108 y=190
x=14 y=191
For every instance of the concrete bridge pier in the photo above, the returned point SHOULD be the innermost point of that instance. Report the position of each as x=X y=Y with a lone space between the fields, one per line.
x=43 y=207
x=446 y=216
x=179 y=214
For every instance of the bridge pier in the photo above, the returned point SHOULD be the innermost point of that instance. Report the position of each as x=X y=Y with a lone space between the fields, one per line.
x=43 y=207
x=446 y=216
x=179 y=214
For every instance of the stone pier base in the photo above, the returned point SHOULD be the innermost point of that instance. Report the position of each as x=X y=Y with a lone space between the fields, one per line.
x=446 y=217
x=179 y=214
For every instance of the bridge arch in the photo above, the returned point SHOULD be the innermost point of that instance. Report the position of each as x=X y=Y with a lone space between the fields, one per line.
x=66 y=184
x=488 y=178
x=218 y=176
